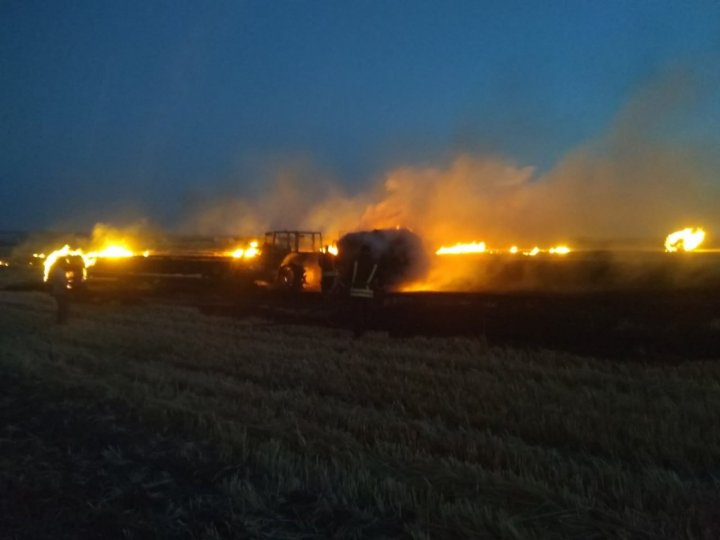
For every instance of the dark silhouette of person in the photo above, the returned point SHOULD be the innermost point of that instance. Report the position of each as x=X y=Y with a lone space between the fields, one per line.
x=59 y=289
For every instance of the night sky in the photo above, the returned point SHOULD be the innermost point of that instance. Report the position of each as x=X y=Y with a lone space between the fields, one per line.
x=124 y=108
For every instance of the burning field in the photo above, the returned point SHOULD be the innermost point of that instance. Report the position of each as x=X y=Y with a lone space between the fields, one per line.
x=537 y=357
x=307 y=270
x=627 y=209
x=596 y=300
x=409 y=262
x=463 y=411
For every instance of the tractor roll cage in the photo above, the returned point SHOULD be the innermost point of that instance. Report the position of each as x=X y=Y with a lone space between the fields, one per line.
x=294 y=241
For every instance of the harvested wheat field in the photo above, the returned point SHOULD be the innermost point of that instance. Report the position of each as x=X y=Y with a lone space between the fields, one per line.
x=156 y=421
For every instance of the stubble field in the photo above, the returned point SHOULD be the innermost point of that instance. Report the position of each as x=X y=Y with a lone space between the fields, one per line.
x=155 y=420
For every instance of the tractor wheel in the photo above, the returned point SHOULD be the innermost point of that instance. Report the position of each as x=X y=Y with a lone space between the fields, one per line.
x=289 y=279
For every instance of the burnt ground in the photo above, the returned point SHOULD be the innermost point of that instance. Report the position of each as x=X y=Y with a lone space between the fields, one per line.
x=619 y=305
x=658 y=325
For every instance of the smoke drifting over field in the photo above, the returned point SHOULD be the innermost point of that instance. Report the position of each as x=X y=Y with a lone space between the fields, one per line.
x=636 y=181
x=641 y=179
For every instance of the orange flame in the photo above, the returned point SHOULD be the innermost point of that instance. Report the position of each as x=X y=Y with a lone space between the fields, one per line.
x=461 y=249
x=481 y=247
x=89 y=258
x=246 y=253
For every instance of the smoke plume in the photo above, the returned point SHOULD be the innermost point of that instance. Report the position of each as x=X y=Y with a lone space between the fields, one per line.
x=637 y=181
x=641 y=179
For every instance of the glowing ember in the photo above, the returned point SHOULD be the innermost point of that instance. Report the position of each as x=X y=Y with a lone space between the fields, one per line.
x=459 y=249
x=534 y=251
x=688 y=239
x=560 y=250
x=4 y=263
x=514 y=250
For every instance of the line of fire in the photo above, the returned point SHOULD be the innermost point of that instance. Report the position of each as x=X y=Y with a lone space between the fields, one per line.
x=306 y=261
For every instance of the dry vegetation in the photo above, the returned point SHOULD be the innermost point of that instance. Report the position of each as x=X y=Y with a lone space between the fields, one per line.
x=158 y=421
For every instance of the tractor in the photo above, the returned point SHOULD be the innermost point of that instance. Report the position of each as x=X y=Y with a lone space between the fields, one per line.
x=290 y=260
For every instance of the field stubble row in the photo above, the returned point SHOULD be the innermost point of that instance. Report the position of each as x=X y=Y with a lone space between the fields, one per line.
x=464 y=437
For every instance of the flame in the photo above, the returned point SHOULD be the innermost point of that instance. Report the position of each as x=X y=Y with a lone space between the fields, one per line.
x=4 y=263
x=252 y=251
x=481 y=247
x=89 y=258
x=113 y=251
x=332 y=249
x=459 y=249
x=246 y=253
x=64 y=251
x=688 y=239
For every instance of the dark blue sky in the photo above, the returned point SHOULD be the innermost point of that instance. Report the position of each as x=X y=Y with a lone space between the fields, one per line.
x=110 y=107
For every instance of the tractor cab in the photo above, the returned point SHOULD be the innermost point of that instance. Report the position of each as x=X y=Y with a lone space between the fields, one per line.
x=292 y=242
x=291 y=258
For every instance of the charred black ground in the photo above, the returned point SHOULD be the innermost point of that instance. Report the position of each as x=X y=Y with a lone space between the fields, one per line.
x=654 y=306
